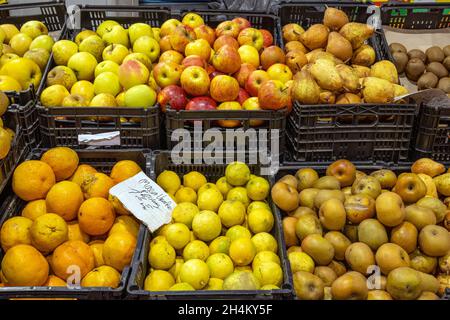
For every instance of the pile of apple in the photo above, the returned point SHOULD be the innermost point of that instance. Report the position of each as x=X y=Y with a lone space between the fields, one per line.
x=24 y=54
x=231 y=67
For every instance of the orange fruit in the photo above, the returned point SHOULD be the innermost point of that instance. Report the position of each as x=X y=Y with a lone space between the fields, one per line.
x=54 y=281
x=23 y=265
x=81 y=173
x=34 y=209
x=96 y=185
x=15 y=230
x=96 y=216
x=72 y=254
x=118 y=250
x=32 y=179
x=97 y=248
x=118 y=206
x=48 y=231
x=104 y=276
x=125 y=224
x=123 y=170
x=75 y=233
x=64 y=199
x=63 y=160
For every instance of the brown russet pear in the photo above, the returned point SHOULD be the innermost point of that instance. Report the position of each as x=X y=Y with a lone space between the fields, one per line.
x=428 y=166
x=410 y=187
x=359 y=257
x=421 y=262
x=404 y=283
x=434 y=240
x=308 y=286
x=359 y=207
x=390 y=209
x=325 y=194
x=339 y=46
x=306 y=225
x=367 y=185
x=327 y=182
x=340 y=243
x=305 y=89
x=378 y=295
x=318 y=248
x=306 y=178
x=405 y=235
x=326 y=274
x=327 y=97
x=285 y=196
x=343 y=170
x=295 y=46
x=434 y=204
x=444 y=263
x=356 y=33
x=361 y=71
x=419 y=216
x=428 y=295
x=376 y=90
x=292 y=32
x=386 y=178
x=372 y=233
x=326 y=75
x=390 y=256
x=338 y=267
x=334 y=18
x=443 y=184
x=351 y=232
x=364 y=56
x=350 y=286
x=295 y=60
x=306 y=197
x=349 y=78
x=289 y=231
x=315 y=37
x=385 y=70
x=290 y=180
x=348 y=98
x=302 y=211
x=332 y=214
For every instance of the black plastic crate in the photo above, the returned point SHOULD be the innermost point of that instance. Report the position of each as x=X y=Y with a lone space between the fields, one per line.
x=161 y=162
x=432 y=132
x=354 y=132
x=13 y=205
x=416 y=16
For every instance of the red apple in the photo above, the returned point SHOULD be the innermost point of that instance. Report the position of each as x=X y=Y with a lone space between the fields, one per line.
x=180 y=37
x=272 y=55
x=242 y=96
x=225 y=40
x=224 y=88
x=193 y=60
x=242 y=22
x=167 y=73
x=243 y=73
x=195 y=81
x=174 y=96
x=229 y=28
x=274 y=95
x=227 y=60
x=255 y=80
x=267 y=38
x=205 y=32
x=164 y=44
x=201 y=103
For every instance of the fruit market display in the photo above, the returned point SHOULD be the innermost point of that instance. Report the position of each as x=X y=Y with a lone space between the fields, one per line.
x=68 y=221
x=333 y=64
x=429 y=69
x=339 y=226
x=6 y=134
x=24 y=55
x=219 y=238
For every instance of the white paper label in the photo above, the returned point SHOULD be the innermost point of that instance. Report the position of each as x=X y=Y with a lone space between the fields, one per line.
x=145 y=200
x=100 y=139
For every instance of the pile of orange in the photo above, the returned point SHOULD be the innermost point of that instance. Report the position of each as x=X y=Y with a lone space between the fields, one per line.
x=71 y=231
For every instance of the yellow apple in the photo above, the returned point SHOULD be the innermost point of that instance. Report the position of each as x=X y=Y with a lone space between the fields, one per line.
x=171 y=55
x=20 y=43
x=63 y=50
x=156 y=33
x=34 y=28
x=116 y=53
x=7 y=57
x=83 y=64
x=94 y=45
x=39 y=55
x=8 y=83
x=140 y=96
x=84 y=35
x=106 y=26
x=192 y=20
x=44 y=41
x=83 y=88
x=138 y=30
x=132 y=73
x=141 y=57
x=117 y=35
x=168 y=27
x=253 y=104
x=74 y=100
x=54 y=95
x=249 y=54
x=120 y=99
x=107 y=82
x=148 y=46
x=61 y=75
x=24 y=70
x=199 y=47
x=252 y=37
x=106 y=66
x=103 y=100
x=10 y=31
x=279 y=71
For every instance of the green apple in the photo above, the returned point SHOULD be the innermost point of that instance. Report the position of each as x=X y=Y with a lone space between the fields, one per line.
x=94 y=45
x=106 y=66
x=54 y=95
x=83 y=64
x=44 y=41
x=107 y=82
x=117 y=35
x=39 y=55
x=24 y=70
x=141 y=57
x=132 y=73
x=83 y=35
x=148 y=46
x=20 y=43
x=7 y=57
x=138 y=30
x=74 y=100
x=63 y=50
x=10 y=31
x=115 y=52
x=61 y=75
x=140 y=96
x=106 y=27
x=83 y=88
x=34 y=28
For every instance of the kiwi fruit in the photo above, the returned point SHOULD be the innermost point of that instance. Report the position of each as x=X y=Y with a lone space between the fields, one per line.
x=400 y=60
x=397 y=47
x=416 y=53
x=435 y=54
x=427 y=81
x=446 y=63
x=444 y=84
x=446 y=50
x=414 y=69
x=438 y=69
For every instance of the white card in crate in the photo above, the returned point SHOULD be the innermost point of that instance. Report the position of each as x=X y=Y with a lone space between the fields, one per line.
x=146 y=200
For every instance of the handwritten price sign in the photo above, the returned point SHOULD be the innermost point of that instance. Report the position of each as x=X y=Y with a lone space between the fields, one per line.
x=145 y=200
